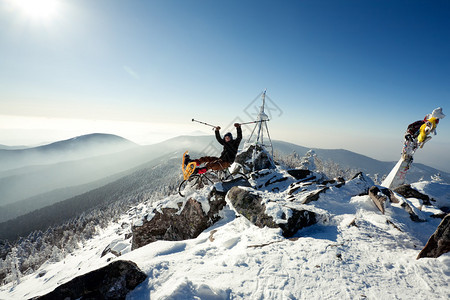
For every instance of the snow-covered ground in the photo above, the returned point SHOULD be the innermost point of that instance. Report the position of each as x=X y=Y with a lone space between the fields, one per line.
x=355 y=252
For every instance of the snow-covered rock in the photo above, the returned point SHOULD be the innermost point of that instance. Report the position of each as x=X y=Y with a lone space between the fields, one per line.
x=113 y=281
x=248 y=203
x=117 y=247
x=439 y=242
x=187 y=221
x=408 y=192
x=380 y=195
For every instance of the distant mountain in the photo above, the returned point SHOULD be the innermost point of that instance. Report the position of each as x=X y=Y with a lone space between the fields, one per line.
x=12 y=210
x=72 y=149
x=4 y=147
x=151 y=177
x=352 y=160
x=49 y=183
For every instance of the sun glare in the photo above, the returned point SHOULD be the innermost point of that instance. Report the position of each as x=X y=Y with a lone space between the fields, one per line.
x=38 y=9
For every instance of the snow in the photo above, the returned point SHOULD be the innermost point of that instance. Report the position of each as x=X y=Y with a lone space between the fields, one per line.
x=437 y=113
x=438 y=191
x=354 y=252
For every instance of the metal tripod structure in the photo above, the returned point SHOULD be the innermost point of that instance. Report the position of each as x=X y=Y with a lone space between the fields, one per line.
x=261 y=126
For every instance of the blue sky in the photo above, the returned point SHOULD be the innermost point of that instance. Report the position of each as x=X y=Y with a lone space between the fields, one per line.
x=344 y=74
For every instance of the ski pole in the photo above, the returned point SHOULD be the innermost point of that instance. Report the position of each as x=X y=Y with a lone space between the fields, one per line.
x=254 y=122
x=193 y=120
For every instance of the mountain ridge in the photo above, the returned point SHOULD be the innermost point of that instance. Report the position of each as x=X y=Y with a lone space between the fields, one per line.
x=78 y=147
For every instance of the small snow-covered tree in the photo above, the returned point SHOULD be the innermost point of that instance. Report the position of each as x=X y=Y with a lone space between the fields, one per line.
x=436 y=178
x=56 y=255
x=15 y=274
x=376 y=178
x=308 y=161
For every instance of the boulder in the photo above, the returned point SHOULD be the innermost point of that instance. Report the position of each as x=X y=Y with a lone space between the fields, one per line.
x=299 y=219
x=249 y=205
x=379 y=197
x=270 y=180
x=439 y=242
x=171 y=224
x=408 y=192
x=117 y=248
x=299 y=174
x=314 y=195
x=240 y=181
x=113 y=281
x=311 y=190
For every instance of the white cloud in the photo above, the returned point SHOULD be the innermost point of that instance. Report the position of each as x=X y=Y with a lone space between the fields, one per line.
x=26 y=130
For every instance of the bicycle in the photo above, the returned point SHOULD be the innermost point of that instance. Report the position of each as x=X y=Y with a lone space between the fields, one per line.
x=199 y=181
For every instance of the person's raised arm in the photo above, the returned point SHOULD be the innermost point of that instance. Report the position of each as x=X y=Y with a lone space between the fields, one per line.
x=239 y=131
x=218 y=137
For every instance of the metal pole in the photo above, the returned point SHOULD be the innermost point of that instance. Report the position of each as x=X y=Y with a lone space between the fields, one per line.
x=193 y=120
x=253 y=122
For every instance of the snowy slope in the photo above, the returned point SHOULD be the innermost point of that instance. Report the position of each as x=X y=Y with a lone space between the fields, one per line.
x=354 y=252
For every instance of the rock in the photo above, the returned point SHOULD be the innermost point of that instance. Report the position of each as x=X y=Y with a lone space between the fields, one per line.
x=299 y=219
x=314 y=195
x=359 y=174
x=270 y=180
x=411 y=212
x=240 y=181
x=337 y=182
x=311 y=190
x=173 y=225
x=408 y=192
x=439 y=242
x=117 y=248
x=255 y=158
x=362 y=181
x=378 y=198
x=249 y=205
x=113 y=281
x=299 y=174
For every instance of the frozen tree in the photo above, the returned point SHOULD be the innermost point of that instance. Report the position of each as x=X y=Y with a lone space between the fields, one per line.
x=14 y=262
x=436 y=177
x=376 y=178
x=56 y=255
x=307 y=162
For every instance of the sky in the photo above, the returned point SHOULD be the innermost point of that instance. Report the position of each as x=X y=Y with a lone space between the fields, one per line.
x=339 y=74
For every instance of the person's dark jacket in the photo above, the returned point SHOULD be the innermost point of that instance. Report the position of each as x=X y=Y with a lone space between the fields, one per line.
x=230 y=148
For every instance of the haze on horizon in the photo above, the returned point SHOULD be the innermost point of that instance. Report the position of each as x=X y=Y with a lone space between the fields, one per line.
x=347 y=74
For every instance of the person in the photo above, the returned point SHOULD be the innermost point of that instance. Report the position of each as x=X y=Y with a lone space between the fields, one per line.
x=226 y=158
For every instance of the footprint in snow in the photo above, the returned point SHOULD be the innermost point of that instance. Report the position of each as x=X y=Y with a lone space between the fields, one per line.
x=179 y=247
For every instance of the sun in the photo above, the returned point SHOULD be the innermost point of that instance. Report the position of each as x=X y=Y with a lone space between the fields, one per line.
x=38 y=9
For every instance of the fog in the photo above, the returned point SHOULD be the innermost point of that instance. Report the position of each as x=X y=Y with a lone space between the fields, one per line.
x=53 y=175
